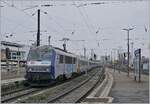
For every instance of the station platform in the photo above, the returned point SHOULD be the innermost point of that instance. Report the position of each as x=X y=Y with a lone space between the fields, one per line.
x=4 y=82
x=126 y=90
x=12 y=74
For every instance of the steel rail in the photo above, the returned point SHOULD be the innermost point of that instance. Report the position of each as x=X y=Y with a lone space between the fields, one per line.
x=17 y=94
x=59 y=96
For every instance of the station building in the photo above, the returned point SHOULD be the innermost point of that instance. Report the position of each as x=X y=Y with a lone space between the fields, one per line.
x=105 y=59
x=15 y=58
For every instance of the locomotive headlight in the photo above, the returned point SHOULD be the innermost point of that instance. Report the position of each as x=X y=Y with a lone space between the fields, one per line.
x=30 y=69
x=47 y=69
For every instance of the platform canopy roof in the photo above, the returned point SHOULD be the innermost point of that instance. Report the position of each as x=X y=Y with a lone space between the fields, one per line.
x=12 y=44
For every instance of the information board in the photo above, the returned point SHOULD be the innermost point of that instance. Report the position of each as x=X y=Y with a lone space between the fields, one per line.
x=137 y=65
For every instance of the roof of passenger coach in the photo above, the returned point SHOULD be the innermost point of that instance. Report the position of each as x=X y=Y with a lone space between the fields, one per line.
x=94 y=61
x=62 y=52
x=82 y=58
x=42 y=47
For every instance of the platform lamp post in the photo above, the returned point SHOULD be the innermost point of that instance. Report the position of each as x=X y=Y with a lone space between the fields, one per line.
x=128 y=30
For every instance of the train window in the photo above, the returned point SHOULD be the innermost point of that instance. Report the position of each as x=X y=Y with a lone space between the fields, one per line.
x=82 y=62
x=57 y=57
x=61 y=59
x=68 y=60
x=74 y=60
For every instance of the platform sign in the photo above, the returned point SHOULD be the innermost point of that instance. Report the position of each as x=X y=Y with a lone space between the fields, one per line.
x=137 y=65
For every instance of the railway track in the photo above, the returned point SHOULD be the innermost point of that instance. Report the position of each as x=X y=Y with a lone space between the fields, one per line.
x=13 y=91
x=78 y=92
x=14 y=95
x=54 y=93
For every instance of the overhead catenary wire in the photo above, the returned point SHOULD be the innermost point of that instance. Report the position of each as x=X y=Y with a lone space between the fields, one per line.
x=82 y=15
x=84 y=19
x=13 y=21
x=89 y=20
x=21 y=11
x=108 y=28
x=18 y=10
x=105 y=28
x=53 y=21
x=91 y=24
x=58 y=24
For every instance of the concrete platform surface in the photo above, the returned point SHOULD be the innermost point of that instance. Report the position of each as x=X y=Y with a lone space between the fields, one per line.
x=126 y=90
x=12 y=74
x=11 y=80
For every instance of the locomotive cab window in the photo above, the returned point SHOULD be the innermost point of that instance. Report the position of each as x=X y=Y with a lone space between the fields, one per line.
x=38 y=54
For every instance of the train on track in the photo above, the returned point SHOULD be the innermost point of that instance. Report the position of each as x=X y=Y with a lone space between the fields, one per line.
x=46 y=64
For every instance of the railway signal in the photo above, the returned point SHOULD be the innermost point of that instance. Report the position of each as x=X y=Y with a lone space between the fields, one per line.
x=8 y=56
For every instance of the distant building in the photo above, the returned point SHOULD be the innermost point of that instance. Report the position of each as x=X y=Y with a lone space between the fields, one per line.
x=105 y=59
x=14 y=57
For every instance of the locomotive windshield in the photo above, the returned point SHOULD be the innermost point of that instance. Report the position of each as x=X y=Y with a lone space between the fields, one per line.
x=39 y=54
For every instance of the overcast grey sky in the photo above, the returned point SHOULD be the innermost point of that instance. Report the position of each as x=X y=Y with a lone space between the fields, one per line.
x=84 y=18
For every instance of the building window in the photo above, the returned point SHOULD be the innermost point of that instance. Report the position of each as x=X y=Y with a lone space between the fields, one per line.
x=23 y=55
x=13 y=55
